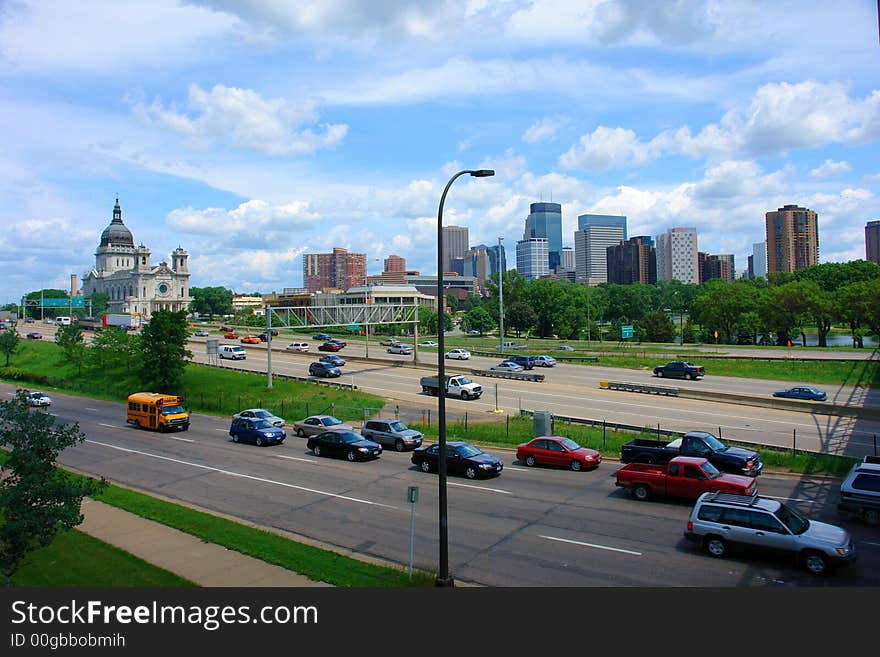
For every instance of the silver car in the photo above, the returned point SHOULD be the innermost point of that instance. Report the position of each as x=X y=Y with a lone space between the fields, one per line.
x=260 y=414
x=315 y=424
x=720 y=521
x=392 y=433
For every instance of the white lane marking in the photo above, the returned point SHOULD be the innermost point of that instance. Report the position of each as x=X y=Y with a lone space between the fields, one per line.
x=592 y=545
x=183 y=440
x=240 y=474
x=491 y=490
x=512 y=469
x=870 y=543
x=791 y=499
x=294 y=458
x=92 y=409
x=219 y=429
x=111 y=426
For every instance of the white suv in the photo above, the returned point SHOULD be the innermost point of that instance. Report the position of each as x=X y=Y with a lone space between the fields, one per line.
x=860 y=491
x=459 y=354
x=721 y=520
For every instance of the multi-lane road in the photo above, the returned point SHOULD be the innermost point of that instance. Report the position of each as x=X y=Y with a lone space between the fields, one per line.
x=527 y=527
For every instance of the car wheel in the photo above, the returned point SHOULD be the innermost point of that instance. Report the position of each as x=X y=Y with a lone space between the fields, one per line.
x=235 y=437
x=576 y=465
x=660 y=374
x=531 y=461
x=425 y=466
x=715 y=546
x=258 y=442
x=465 y=395
x=300 y=433
x=351 y=456
x=815 y=563
x=688 y=376
x=471 y=472
x=316 y=450
x=398 y=445
x=641 y=492
x=871 y=516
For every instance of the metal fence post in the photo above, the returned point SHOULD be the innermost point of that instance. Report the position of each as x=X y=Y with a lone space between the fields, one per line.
x=658 y=431
x=719 y=433
x=397 y=412
x=603 y=434
x=794 y=442
x=508 y=426
x=465 y=420
x=875 y=444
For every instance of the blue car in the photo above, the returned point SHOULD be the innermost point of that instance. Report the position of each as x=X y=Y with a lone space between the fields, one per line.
x=332 y=359
x=802 y=392
x=256 y=431
x=321 y=336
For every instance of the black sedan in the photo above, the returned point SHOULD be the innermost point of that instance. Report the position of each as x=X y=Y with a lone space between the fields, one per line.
x=461 y=458
x=802 y=392
x=256 y=431
x=324 y=369
x=332 y=359
x=321 y=336
x=349 y=444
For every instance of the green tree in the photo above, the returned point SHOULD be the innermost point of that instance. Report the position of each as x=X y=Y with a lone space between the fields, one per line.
x=784 y=310
x=478 y=319
x=113 y=353
x=721 y=304
x=163 y=350
x=520 y=317
x=9 y=343
x=37 y=500
x=97 y=304
x=658 y=327
x=70 y=339
x=211 y=300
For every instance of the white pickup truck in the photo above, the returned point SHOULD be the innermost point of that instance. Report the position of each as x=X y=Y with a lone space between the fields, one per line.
x=456 y=386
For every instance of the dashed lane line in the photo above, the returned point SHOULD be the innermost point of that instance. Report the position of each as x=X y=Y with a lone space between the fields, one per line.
x=592 y=545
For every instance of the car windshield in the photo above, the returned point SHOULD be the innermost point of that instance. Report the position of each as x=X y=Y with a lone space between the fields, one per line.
x=710 y=470
x=796 y=523
x=398 y=426
x=463 y=381
x=263 y=424
x=349 y=438
x=568 y=443
x=468 y=451
x=171 y=410
x=330 y=421
x=263 y=414
x=714 y=443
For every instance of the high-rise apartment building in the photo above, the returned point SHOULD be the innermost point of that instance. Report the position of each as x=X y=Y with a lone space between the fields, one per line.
x=340 y=270
x=717 y=266
x=595 y=234
x=532 y=260
x=632 y=261
x=545 y=221
x=677 y=256
x=872 y=241
x=394 y=263
x=792 y=239
x=455 y=245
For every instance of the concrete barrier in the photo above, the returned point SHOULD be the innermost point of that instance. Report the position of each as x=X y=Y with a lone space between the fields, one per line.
x=640 y=387
x=518 y=376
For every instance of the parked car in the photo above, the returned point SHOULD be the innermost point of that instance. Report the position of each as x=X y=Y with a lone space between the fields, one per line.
x=802 y=392
x=330 y=346
x=506 y=366
x=390 y=432
x=461 y=458
x=256 y=431
x=457 y=354
x=39 y=399
x=202 y=333
x=735 y=460
x=260 y=414
x=301 y=347
x=526 y=362
x=231 y=335
x=860 y=490
x=250 y=339
x=680 y=369
x=721 y=521
x=558 y=450
x=545 y=361
x=315 y=424
x=324 y=369
x=684 y=476
x=321 y=336
x=400 y=349
x=349 y=444
x=389 y=341
x=34 y=335
x=428 y=343
x=333 y=359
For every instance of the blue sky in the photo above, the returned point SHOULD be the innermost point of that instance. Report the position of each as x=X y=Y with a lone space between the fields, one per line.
x=252 y=131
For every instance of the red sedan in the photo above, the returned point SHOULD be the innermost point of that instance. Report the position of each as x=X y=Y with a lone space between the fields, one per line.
x=558 y=450
x=330 y=346
x=34 y=335
x=232 y=335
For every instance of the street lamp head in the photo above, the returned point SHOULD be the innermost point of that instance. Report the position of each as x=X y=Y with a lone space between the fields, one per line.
x=483 y=173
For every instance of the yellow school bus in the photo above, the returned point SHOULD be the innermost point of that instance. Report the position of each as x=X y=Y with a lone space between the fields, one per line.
x=157 y=412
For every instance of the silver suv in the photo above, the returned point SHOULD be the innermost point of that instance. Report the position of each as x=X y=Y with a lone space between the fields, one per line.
x=392 y=433
x=721 y=520
x=860 y=491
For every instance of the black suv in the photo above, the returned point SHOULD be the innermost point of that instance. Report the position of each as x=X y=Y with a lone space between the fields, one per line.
x=860 y=491
x=527 y=362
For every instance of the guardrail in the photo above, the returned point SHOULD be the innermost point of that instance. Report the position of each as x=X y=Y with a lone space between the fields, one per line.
x=289 y=377
x=557 y=357
x=639 y=387
x=519 y=376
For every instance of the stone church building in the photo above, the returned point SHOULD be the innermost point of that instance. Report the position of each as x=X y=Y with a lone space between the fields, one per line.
x=123 y=271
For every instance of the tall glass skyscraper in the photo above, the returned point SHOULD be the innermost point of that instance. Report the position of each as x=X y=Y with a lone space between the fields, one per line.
x=596 y=232
x=545 y=221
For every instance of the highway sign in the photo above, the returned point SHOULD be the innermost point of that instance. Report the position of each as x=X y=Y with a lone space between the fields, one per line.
x=626 y=331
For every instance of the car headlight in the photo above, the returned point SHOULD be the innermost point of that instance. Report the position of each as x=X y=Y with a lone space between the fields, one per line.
x=843 y=551
x=487 y=466
x=363 y=449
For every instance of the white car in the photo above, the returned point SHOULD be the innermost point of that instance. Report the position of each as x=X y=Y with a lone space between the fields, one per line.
x=458 y=354
x=428 y=343
x=260 y=414
x=39 y=399
x=400 y=348
x=388 y=342
x=507 y=366
x=545 y=361
x=298 y=346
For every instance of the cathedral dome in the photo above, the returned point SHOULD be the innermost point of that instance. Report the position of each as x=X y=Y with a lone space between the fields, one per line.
x=116 y=234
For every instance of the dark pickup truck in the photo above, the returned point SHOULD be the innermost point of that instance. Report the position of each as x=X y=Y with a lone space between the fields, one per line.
x=680 y=369
x=735 y=460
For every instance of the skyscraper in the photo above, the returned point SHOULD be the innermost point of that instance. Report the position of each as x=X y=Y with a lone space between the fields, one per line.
x=545 y=220
x=496 y=256
x=595 y=234
x=792 y=239
x=718 y=266
x=339 y=269
x=455 y=245
x=531 y=257
x=872 y=241
x=394 y=263
x=568 y=261
x=632 y=261
x=677 y=256
x=759 y=260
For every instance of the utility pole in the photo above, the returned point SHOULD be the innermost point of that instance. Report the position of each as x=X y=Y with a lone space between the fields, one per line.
x=500 y=296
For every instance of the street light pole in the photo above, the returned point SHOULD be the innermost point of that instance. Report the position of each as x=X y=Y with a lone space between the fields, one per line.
x=443 y=577
x=500 y=298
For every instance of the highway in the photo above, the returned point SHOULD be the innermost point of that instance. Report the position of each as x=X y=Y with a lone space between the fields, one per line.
x=527 y=527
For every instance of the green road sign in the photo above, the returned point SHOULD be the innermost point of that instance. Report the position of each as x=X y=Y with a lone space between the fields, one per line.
x=353 y=327
x=626 y=331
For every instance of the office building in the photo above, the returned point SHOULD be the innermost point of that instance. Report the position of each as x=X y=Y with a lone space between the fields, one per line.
x=394 y=263
x=455 y=245
x=872 y=241
x=532 y=260
x=677 y=256
x=758 y=260
x=545 y=221
x=792 y=239
x=339 y=270
x=568 y=262
x=595 y=234
x=717 y=266
x=632 y=261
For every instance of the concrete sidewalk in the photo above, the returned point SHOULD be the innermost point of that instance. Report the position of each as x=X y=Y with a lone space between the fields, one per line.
x=205 y=564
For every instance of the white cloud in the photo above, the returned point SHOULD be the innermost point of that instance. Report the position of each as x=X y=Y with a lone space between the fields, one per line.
x=606 y=148
x=246 y=226
x=830 y=168
x=543 y=130
x=246 y=119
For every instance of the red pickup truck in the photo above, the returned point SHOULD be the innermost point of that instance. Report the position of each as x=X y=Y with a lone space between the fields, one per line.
x=683 y=476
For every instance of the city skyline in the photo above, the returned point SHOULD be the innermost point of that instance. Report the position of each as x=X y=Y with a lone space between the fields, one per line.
x=253 y=134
